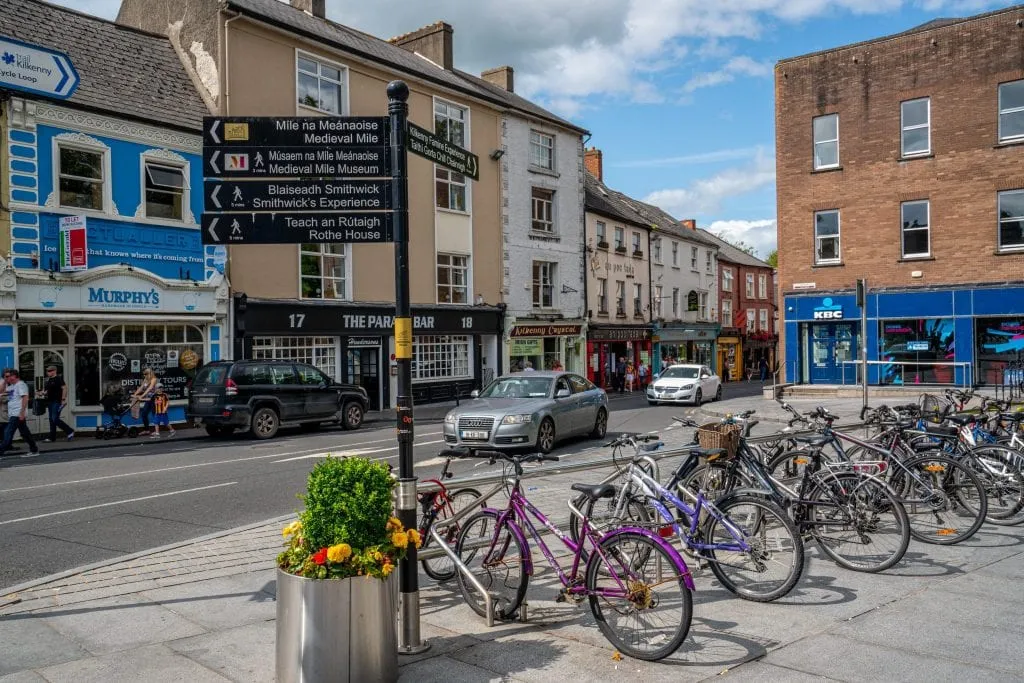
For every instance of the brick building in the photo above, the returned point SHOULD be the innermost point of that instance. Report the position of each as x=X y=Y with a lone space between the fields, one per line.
x=899 y=160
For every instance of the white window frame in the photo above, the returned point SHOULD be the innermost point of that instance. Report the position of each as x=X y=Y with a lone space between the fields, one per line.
x=458 y=348
x=537 y=206
x=727 y=312
x=620 y=237
x=320 y=352
x=638 y=299
x=342 y=89
x=762 y=286
x=694 y=254
x=709 y=262
x=451 y=178
x=750 y=285
x=658 y=295
x=1010 y=110
x=675 y=302
x=347 y=280
x=545 y=279
x=601 y=230
x=904 y=127
x=1009 y=219
x=537 y=143
x=656 y=250
x=675 y=254
x=702 y=306
x=825 y=141
x=927 y=228
x=452 y=267
x=83 y=143
x=751 y=319
x=762 y=319
x=620 y=297
x=167 y=160
x=602 y=295
x=637 y=244
x=727 y=279
x=837 y=237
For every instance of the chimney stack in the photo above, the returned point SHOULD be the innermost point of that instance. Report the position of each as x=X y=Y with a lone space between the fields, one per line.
x=502 y=77
x=433 y=42
x=318 y=8
x=593 y=163
x=689 y=223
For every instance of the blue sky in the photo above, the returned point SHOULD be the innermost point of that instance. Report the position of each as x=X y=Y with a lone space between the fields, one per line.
x=678 y=94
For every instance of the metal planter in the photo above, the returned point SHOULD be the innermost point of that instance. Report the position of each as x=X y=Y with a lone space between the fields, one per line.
x=336 y=630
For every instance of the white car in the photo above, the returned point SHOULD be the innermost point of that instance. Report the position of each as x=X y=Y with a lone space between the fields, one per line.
x=685 y=384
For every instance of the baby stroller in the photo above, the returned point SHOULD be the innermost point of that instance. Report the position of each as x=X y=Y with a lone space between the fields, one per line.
x=115 y=407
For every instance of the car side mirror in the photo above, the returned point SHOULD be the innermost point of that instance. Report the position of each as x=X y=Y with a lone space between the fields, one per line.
x=563 y=393
x=474 y=394
x=322 y=385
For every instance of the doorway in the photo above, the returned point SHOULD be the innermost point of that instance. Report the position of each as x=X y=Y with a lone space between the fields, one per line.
x=830 y=347
x=364 y=371
x=32 y=364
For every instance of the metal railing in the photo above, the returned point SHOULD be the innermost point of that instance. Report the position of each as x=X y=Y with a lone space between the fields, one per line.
x=961 y=372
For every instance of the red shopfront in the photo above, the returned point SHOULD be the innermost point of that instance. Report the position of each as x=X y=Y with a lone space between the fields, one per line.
x=606 y=344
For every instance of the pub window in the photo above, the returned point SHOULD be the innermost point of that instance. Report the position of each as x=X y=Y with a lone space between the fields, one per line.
x=320 y=352
x=440 y=357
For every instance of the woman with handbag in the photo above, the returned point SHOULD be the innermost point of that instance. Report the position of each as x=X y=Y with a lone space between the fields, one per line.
x=143 y=398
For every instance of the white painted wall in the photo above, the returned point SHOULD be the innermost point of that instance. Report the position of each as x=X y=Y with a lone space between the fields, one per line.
x=684 y=276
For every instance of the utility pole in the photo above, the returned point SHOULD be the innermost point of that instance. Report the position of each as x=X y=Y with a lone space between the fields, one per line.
x=862 y=303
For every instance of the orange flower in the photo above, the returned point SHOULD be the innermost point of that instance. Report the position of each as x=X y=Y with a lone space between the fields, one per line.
x=394 y=524
x=339 y=553
x=387 y=569
x=400 y=539
x=414 y=536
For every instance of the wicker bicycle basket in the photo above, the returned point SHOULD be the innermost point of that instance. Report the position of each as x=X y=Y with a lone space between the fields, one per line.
x=934 y=408
x=718 y=435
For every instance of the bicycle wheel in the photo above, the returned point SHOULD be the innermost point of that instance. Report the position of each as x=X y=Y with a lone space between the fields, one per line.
x=944 y=500
x=497 y=560
x=442 y=568
x=652 y=619
x=858 y=522
x=775 y=559
x=715 y=480
x=999 y=468
x=788 y=468
x=601 y=513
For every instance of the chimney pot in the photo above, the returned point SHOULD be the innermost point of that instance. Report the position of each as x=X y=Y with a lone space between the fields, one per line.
x=501 y=76
x=318 y=8
x=593 y=162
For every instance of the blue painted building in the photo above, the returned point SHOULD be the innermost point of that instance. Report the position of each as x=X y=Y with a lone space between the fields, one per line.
x=104 y=272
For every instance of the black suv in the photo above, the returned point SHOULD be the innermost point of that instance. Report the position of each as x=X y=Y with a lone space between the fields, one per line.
x=263 y=395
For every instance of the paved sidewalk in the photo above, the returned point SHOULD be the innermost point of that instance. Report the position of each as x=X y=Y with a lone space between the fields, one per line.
x=204 y=611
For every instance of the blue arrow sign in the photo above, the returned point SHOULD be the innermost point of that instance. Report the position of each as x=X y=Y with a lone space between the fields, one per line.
x=36 y=69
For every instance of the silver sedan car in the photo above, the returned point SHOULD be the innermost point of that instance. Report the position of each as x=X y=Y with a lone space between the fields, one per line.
x=529 y=410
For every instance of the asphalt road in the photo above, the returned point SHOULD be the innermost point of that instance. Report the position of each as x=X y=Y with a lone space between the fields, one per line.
x=66 y=509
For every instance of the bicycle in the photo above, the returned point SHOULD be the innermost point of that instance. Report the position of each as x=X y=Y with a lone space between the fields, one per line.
x=740 y=537
x=441 y=505
x=630 y=574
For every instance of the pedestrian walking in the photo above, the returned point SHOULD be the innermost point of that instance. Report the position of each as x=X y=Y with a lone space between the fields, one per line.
x=620 y=374
x=55 y=392
x=143 y=396
x=160 y=417
x=17 y=412
x=642 y=372
x=630 y=375
x=528 y=366
x=764 y=368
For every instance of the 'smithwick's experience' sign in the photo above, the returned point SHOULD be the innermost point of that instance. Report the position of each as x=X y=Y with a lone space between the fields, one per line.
x=828 y=310
x=36 y=69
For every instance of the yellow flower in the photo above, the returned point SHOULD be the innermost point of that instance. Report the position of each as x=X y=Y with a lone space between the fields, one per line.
x=387 y=569
x=414 y=536
x=394 y=524
x=339 y=553
x=292 y=529
x=400 y=539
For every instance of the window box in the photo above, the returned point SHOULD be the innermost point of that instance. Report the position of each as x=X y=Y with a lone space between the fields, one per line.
x=638 y=254
x=620 y=250
x=602 y=245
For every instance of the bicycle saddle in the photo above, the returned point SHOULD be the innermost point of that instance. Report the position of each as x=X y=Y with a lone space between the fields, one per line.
x=595 y=491
x=708 y=453
x=648 y=447
x=816 y=440
x=920 y=446
x=942 y=430
x=961 y=419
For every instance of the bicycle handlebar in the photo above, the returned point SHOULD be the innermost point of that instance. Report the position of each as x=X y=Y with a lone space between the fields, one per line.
x=490 y=454
x=631 y=437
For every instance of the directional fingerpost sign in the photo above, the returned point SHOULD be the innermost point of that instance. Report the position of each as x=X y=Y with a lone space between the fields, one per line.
x=294 y=180
x=36 y=69
x=424 y=143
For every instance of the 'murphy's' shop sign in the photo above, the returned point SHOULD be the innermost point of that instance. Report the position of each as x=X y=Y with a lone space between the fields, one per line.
x=114 y=293
x=101 y=297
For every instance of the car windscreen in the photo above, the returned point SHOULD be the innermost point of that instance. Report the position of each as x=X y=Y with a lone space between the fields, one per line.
x=680 y=373
x=519 y=387
x=211 y=374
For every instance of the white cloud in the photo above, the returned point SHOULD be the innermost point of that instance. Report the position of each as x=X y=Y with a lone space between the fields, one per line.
x=707 y=194
x=737 y=66
x=692 y=159
x=760 y=234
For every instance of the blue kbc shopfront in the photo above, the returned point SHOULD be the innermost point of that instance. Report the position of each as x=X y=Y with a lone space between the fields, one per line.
x=947 y=336
x=107 y=273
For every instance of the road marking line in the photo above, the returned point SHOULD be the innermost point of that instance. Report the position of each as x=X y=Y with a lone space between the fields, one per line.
x=358 y=452
x=118 y=502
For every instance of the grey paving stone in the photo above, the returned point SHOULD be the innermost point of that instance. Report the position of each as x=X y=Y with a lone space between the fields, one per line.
x=27 y=642
x=154 y=664
x=23 y=677
x=244 y=654
x=441 y=640
x=855 y=660
x=219 y=603
x=1009 y=568
x=119 y=623
x=448 y=670
x=760 y=671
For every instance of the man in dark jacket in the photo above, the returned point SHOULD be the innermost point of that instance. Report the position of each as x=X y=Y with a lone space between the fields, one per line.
x=56 y=390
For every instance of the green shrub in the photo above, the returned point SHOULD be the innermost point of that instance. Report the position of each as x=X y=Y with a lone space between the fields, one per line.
x=348 y=500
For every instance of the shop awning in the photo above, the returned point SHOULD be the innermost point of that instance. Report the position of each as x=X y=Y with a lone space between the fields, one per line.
x=114 y=316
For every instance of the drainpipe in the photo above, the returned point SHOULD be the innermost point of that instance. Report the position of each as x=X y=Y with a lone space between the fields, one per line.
x=227 y=65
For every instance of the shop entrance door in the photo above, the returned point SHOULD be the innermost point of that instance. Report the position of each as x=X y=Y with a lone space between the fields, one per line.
x=830 y=346
x=364 y=371
x=32 y=364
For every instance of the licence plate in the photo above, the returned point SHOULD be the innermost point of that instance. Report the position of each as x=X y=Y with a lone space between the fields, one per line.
x=205 y=399
x=475 y=435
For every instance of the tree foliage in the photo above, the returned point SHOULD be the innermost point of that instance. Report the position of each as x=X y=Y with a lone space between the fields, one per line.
x=773 y=258
x=348 y=500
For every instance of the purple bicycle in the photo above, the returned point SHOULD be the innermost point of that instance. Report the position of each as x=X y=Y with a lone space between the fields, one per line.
x=638 y=586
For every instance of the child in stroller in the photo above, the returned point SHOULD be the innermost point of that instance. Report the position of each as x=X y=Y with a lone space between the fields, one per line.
x=115 y=407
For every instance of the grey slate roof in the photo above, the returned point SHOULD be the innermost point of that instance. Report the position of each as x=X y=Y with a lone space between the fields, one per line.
x=727 y=252
x=376 y=50
x=123 y=71
x=601 y=200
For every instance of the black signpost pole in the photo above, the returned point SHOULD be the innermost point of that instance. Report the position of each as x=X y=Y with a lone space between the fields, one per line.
x=409 y=641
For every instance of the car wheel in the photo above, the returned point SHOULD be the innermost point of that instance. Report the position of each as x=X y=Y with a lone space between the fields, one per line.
x=697 y=398
x=600 y=425
x=546 y=436
x=352 y=416
x=265 y=423
x=718 y=393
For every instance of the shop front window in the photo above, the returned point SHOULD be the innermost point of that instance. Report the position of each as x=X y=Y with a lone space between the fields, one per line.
x=999 y=350
x=916 y=351
x=437 y=357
